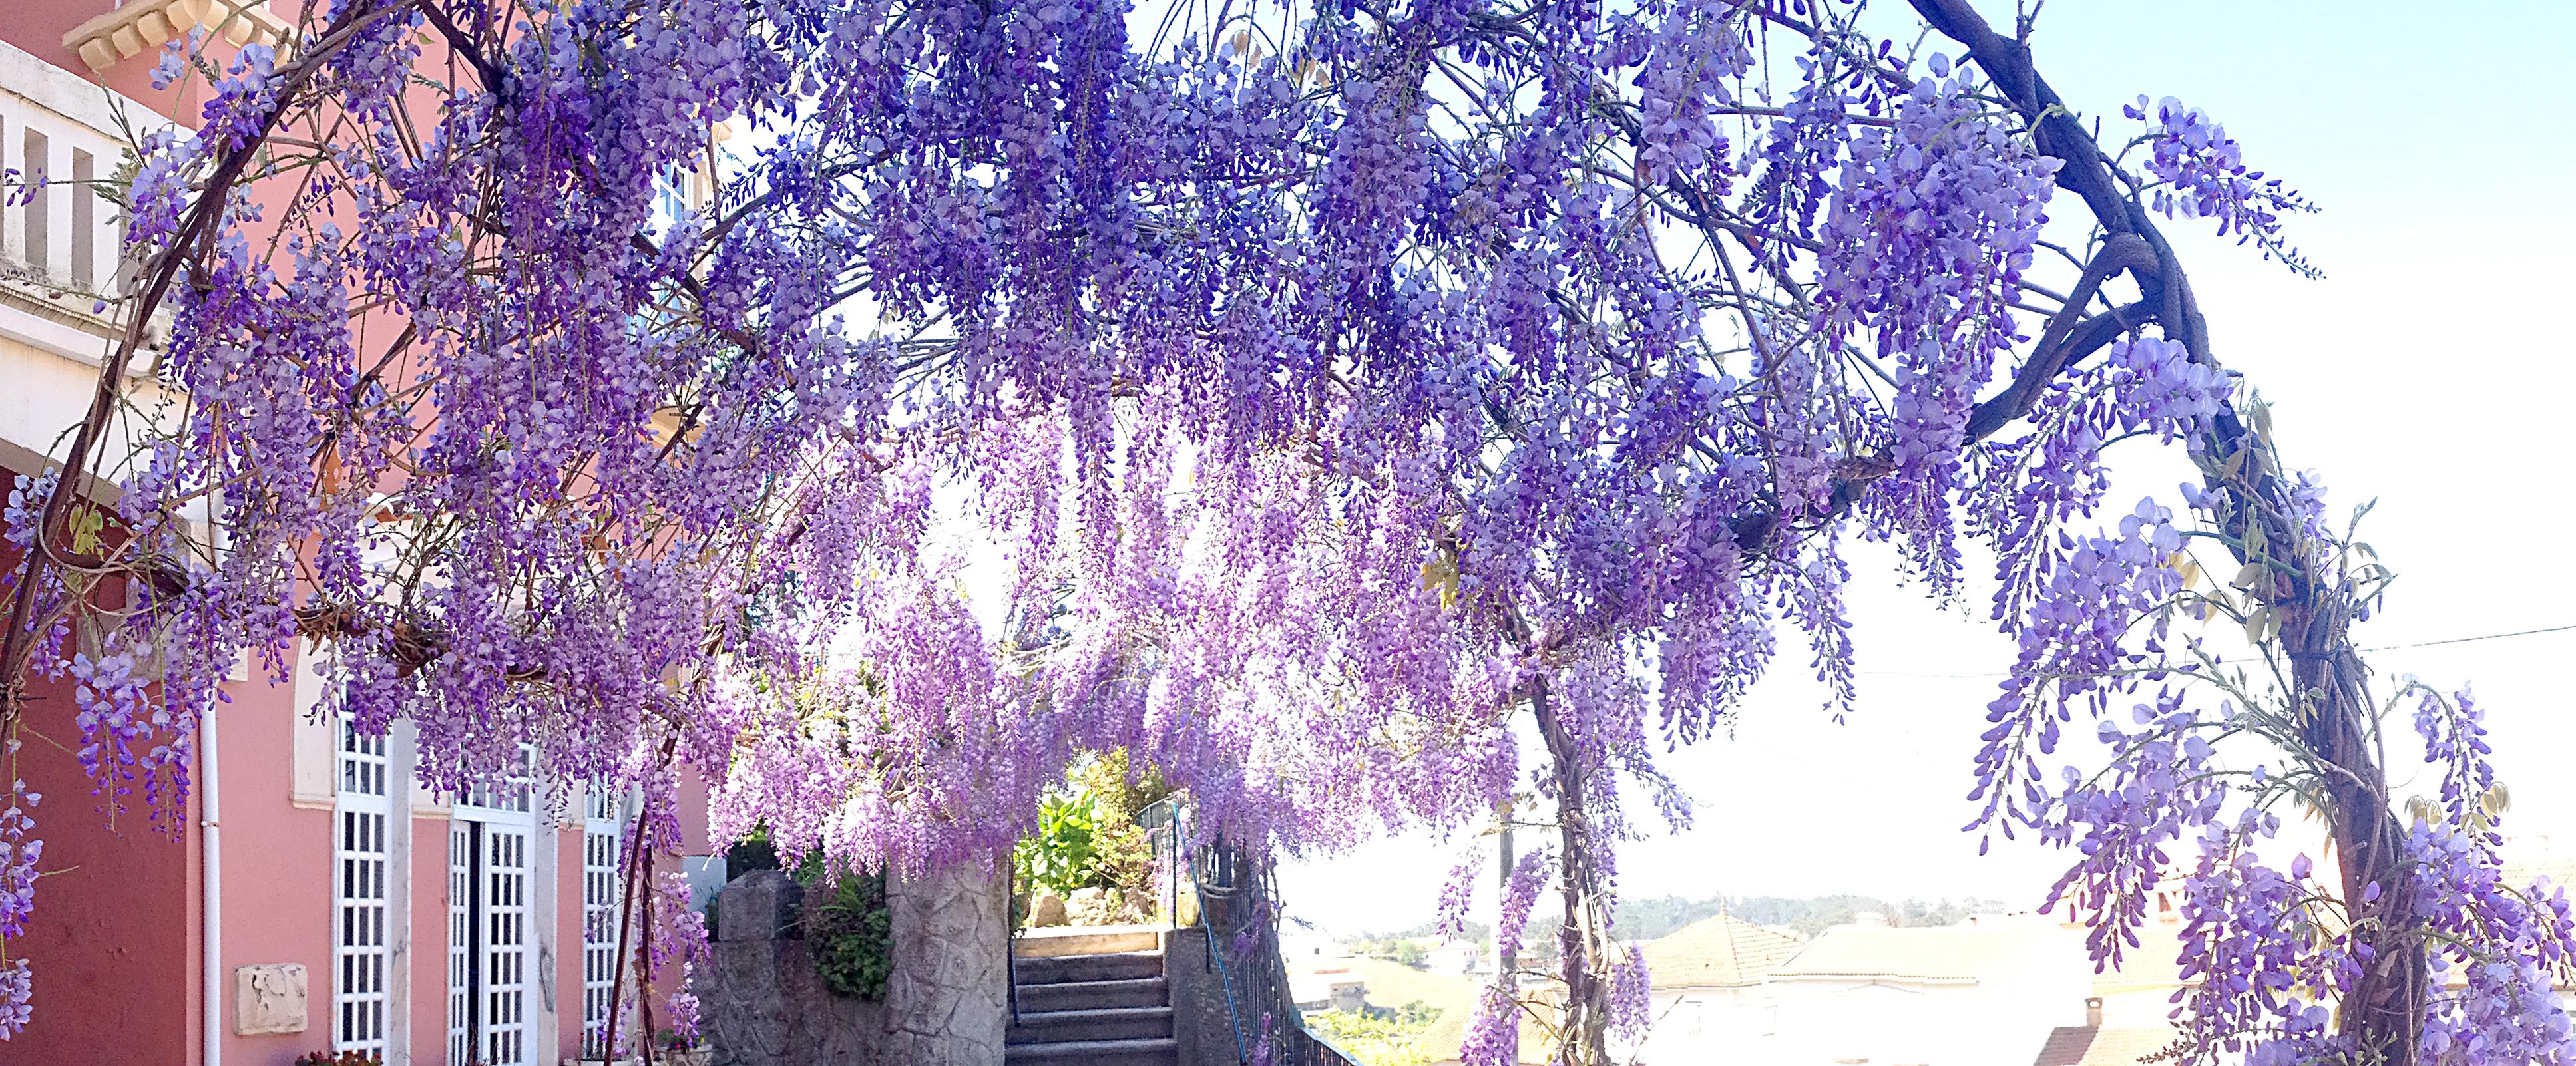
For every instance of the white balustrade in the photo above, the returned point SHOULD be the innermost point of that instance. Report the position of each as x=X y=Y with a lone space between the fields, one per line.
x=63 y=140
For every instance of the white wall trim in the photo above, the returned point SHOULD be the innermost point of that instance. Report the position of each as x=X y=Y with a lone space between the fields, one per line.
x=313 y=755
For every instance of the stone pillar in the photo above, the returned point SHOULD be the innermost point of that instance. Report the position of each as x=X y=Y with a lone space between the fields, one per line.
x=753 y=995
x=1201 y=1025
x=948 y=999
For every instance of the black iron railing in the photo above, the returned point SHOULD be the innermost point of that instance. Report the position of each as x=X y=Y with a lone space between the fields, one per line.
x=1236 y=899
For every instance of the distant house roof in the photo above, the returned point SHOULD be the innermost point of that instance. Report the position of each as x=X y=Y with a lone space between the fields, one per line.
x=2534 y=863
x=1948 y=954
x=1315 y=982
x=2087 y=1046
x=1719 y=952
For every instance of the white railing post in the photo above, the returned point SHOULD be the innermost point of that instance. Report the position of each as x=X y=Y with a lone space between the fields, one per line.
x=59 y=191
x=83 y=231
x=13 y=157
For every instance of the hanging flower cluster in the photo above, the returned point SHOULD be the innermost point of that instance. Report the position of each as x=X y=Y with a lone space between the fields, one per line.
x=19 y=854
x=1925 y=245
x=2202 y=174
x=1494 y=1033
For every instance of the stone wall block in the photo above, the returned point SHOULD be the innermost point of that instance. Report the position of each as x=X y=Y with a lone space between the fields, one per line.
x=947 y=1000
x=761 y=905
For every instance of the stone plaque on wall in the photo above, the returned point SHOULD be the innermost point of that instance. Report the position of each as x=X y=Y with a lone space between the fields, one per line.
x=268 y=997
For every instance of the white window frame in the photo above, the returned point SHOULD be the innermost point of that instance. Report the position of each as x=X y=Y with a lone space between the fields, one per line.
x=361 y=900
x=603 y=845
x=492 y=1000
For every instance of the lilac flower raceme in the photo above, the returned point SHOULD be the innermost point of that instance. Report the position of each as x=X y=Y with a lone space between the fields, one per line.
x=17 y=997
x=2204 y=176
x=1494 y=1034
x=19 y=854
x=1457 y=892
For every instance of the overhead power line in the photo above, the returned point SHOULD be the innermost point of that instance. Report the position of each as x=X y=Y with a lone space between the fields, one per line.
x=2383 y=647
x=2472 y=640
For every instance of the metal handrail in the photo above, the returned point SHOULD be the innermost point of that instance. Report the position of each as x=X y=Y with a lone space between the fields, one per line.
x=1198 y=889
x=1304 y=1044
x=1317 y=1049
x=1011 y=935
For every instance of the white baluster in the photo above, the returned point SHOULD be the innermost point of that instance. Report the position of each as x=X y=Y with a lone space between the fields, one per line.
x=59 y=193
x=84 y=229
x=13 y=157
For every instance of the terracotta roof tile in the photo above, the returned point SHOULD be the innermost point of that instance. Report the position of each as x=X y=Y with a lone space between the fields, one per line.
x=1966 y=952
x=2085 y=1046
x=1719 y=952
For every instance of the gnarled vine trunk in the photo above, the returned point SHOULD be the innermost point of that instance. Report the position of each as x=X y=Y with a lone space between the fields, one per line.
x=2385 y=1008
x=1584 y=1028
x=2384 y=1011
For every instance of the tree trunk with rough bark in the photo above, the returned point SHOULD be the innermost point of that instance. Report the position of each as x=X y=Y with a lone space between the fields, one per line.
x=1584 y=1028
x=2257 y=508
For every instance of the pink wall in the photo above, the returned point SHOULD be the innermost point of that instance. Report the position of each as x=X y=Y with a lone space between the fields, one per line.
x=104 y=925
x=117 y=938
x=110 y=917
x=117 y=933
x=278 y=867
x=428 y=941
x=693 y=811
x=37 y=27
x=114 y=941
x=568 y=855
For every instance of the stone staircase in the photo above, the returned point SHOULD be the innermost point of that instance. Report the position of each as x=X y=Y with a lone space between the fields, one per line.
x=1092 y=999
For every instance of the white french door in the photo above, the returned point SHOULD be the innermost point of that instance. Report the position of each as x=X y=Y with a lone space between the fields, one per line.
x=602 y=844
x=489 y=926
x=360 y=851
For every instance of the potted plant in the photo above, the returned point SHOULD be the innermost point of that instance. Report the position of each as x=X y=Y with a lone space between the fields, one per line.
x=679 y=1049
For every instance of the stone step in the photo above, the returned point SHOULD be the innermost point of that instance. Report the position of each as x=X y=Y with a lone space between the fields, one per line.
x=1094 y=995
x=1114 y=1023
x=1055 y=969
x=1162 y=1052
x=1086 y=940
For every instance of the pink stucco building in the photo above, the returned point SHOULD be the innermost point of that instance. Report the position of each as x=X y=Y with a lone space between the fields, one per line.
x=430 y=929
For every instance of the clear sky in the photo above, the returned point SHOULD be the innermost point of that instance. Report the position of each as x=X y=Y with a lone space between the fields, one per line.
x=2431 y=370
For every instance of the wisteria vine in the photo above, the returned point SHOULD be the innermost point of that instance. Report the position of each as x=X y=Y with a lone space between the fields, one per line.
x=1347 y=392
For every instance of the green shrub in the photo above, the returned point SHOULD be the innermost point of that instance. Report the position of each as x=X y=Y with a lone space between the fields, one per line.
x=1383 y=1038
x=851 y=933
x=1087 y=834
x=848 y=926
x=1063 y=856
x=1123 y=852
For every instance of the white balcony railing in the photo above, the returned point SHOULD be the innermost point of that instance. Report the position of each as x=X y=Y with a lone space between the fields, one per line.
x=63 y=140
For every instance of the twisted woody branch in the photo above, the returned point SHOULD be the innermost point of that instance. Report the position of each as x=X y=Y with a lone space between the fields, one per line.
x=2255 y=508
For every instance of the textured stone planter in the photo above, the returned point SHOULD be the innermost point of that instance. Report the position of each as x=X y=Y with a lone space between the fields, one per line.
x=946 y=1002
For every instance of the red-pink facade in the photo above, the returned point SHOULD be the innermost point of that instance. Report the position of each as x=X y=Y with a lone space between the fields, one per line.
x=118 y=944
